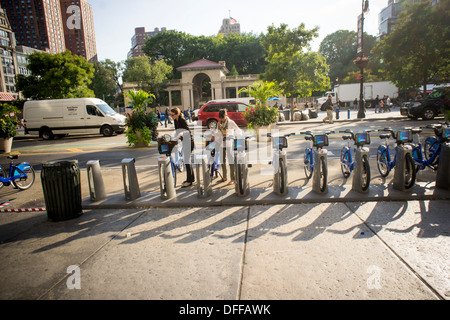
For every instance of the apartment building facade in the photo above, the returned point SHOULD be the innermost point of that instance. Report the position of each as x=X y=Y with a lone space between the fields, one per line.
x=138 y=40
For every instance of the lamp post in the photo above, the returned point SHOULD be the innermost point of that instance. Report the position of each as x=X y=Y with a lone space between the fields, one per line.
x=365 y=9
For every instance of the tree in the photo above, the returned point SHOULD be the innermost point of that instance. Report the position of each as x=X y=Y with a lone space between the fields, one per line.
x=296 y=72
x=56 y=76
x=417 y=51
x=261 y=91
x=150 y=76
x=105 y=82
x=339 y=48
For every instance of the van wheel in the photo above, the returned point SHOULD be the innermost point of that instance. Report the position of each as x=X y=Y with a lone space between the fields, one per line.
x=107 y=131
x=212 y=124
x=46 y=134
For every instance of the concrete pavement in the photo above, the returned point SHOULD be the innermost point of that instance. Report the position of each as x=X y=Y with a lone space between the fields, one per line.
x=386 y=244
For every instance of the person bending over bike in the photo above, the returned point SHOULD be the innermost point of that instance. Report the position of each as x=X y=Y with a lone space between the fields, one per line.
x=181 y=126
x=226 y=127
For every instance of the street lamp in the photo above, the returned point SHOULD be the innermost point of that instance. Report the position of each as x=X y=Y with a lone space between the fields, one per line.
x=365 y=9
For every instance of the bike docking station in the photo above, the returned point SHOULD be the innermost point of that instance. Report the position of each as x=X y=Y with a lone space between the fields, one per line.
x=320 y=157
x=130 y=180
x=204 y=189
x=166 y=181
x=403 y=152
x=443 y=171
x=279 y=164
x=361 y=168
x=242 y=186
x=95 y=180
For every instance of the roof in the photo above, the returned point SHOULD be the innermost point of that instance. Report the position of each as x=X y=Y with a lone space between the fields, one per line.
x=202 y=64
x=6 y=96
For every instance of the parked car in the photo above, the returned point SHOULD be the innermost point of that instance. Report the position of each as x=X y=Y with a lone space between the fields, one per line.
x=209 y=113
x=429 y=108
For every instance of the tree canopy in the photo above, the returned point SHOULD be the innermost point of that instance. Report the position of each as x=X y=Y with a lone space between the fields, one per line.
x=56 y=76
x=417 y=51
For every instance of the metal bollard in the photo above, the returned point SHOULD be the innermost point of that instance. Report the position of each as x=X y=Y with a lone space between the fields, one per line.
x=348 y=114
x=204 y=189
x=358 y=170
x=280 y=174
x=166 y=182
x=443 y=171
x=400 y=167
x=95 y=180
x=318 y=155
x=130 y=180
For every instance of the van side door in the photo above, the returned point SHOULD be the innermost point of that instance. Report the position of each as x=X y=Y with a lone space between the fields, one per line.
x=94 y=119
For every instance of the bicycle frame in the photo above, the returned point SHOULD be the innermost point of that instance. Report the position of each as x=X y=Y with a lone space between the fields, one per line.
x=14 y=168
x=391 y=164
x=350 y=163
x=418 y=155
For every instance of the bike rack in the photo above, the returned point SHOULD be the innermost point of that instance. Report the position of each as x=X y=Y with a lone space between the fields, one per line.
x=130 y=180
x=443 y=171
x=276 y=176
x=95 y=180
x=318 y=154
x=204 y=189
x=399 y=169
x=164 y=168
x=358 y=169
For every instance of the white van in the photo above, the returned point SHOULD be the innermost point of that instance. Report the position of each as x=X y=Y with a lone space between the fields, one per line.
x=71 y=116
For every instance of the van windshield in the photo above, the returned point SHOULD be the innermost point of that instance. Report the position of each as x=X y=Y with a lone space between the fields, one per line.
x=106 y=109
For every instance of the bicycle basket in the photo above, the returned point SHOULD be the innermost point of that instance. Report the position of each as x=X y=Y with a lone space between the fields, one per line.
x=404 y=136
x=362 y=139
x=320 y=140
x=166 y=147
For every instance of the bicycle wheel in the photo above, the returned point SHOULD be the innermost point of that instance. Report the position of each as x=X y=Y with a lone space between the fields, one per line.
x=345 y=160
x=410 y=171
x=282 y=176
x=240 y=178
x=323 y=174
x=308 y=163
x=382 y=161
x=3 y=175
x=181 y=165
x=431 y=147
x=24 y=183
x=365 y=174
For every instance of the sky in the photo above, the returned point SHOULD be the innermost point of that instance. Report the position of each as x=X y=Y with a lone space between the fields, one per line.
x=115 y=20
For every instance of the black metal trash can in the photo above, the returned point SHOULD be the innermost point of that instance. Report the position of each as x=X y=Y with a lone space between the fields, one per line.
x=62 y=189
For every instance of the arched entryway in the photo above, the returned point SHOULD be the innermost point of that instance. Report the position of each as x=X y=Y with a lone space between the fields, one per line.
x=201 y=89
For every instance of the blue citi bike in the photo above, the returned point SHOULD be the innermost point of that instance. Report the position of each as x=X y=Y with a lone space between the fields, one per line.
x=429 y=157
x=318 y=141
x=20 y=177
x=384 y=162
x=347 y=161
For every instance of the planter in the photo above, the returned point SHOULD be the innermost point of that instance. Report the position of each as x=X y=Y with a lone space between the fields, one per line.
x=361 y=63
x=262 y=131
x=5 y=145
x=140 y=142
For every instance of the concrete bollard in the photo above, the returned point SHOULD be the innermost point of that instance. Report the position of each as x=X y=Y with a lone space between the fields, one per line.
x=318 y=156
x=166 y=181
x=400 y=167
x=280 y=175
x=204 y=189
x=357 y=183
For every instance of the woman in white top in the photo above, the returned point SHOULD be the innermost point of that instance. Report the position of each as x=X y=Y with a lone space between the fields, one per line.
x=226 y=127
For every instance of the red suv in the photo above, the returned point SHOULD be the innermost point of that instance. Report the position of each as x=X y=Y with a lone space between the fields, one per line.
x=209 y=113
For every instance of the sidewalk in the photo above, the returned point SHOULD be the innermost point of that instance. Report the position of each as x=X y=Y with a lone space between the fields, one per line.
x=386 y=244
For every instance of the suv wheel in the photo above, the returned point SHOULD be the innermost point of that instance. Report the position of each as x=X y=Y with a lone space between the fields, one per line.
x=428 y=114
x=212 y=124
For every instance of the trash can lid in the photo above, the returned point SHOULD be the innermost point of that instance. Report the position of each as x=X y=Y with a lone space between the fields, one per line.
x=59 y=163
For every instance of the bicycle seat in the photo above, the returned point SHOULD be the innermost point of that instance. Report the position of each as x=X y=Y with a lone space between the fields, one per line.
x=13 y=157
x=385 y=136
x=347 y=137
x=415 y=131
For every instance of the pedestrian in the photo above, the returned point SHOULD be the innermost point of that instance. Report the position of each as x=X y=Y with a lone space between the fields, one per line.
x=355 y=104
x=189 y=113
x=329 y=109
x=381 y=106
x=377 y=104
x=158 y=114
x=182 y=128
x=226 y=127
x=387 y=104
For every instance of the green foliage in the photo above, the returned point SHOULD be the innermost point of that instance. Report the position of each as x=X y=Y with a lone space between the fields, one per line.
x=260 y=115
x=139 y=119
x=105 y=82
x=56 y=76
x=133 y=139
x=261 y=91
x=8 y=121
x=417 y=51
